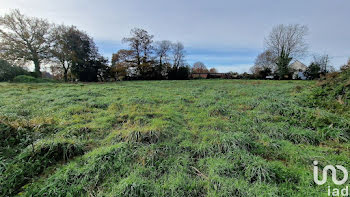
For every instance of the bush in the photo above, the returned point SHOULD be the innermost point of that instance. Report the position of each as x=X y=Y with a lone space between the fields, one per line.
x=333 y=92
x=8 y=71
x=30 y=79
x=180 y=73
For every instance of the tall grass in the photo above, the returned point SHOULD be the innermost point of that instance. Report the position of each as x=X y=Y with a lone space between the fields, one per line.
x=166 y=138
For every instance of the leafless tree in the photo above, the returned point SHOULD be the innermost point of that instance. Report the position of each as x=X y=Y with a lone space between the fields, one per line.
x=264 y=64
x=162 y=50
x=199 y=67
x=323 y=61
x=265 y=60
x=178 y=50
x=287 y=39
x=24 y=38
x=286 y=42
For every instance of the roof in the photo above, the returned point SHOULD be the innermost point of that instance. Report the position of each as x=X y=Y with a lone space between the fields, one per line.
x=297 y=65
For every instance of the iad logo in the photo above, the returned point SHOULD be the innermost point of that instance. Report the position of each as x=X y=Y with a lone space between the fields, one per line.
x=334 y=174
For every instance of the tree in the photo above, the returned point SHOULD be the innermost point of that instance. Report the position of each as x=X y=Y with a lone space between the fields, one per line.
x=103 y=69
x=9 y=72
x=61 y=50
x=75 y=51
x=323 y=61
x=142 y=60
x=199 y=67
x=85 y=59
x=313 y=71
x=162 y=50
x=282 y=63
x=24 y=38
x=122 y=61
x=264 y=65
x=345 y=67
x=231 y=75
x=140 y=42
x=178 y=51
x=286 y=42
x=245 y=75
x=260 y=72
x=179 y=73
x=266 y=60
x=213 y=70
x=178 y=70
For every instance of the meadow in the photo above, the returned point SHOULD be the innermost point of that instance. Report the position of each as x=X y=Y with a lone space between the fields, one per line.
x=167 y=138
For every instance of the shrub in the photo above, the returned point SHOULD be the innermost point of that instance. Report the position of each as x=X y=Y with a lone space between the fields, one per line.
x=8 y=71
x=332 y=93
x=30 y=79
x=180 y=73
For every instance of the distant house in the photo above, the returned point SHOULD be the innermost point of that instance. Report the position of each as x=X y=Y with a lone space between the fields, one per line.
x=298 y=70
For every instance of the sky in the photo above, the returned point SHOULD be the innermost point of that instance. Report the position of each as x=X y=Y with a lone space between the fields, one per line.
x=225 y=34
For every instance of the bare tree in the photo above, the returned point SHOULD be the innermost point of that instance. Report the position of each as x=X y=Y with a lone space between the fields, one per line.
x=266 y=60
x=162 y=50
x=286 y=42
x=199 y=67
x=24 y=38
x=178 y=50
x=287 y=39
x=323 y=61
x=264 y=65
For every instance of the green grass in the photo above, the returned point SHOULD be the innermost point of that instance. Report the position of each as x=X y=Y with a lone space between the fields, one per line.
x=31 y=79
x=166 y=138
x=333 y=93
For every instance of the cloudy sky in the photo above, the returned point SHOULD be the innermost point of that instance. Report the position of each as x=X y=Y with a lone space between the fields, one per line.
x=226 y=34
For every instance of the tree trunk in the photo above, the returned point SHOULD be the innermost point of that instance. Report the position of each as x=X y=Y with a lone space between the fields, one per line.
x=160 y=61
x=65 y=75
x=37 y=67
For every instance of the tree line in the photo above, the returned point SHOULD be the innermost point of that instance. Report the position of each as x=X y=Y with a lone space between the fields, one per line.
x=149 y=59
x=73 y=55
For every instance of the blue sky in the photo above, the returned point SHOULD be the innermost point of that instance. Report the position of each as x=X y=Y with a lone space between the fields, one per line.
x=226 y=34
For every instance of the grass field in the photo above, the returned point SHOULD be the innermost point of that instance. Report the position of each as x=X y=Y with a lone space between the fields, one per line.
x=166 y=138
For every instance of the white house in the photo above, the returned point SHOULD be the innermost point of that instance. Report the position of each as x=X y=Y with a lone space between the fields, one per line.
x=298 y=70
